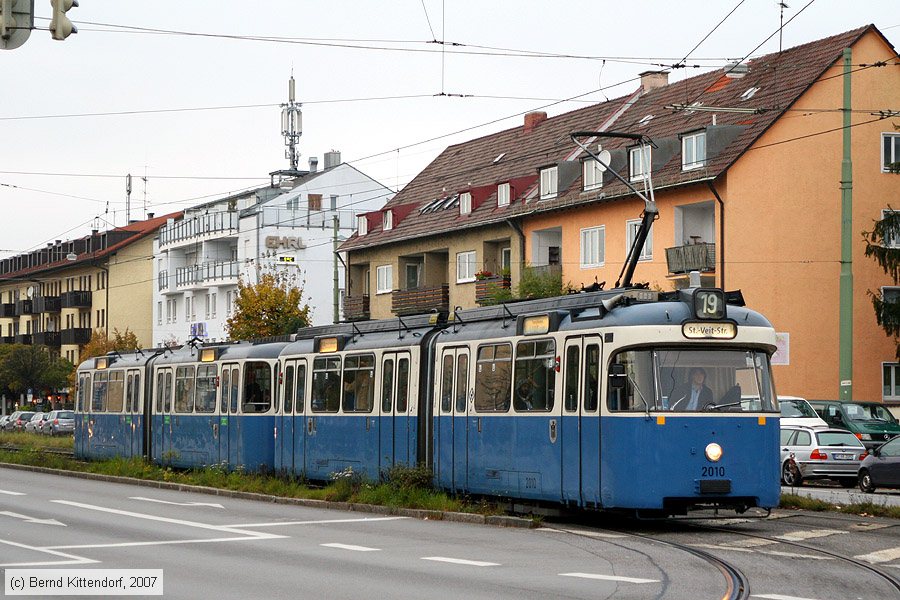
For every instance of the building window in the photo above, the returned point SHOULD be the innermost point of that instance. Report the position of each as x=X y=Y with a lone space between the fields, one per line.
x=213 y=305
x=890 y=152
x=159 y=313
x=188 y=301
x=693 y=151
x=639 y=161
x=503 y=194
x=387 y=220
x=549 y=181
x=362 y=225
x=465 y=203
x=593 y=174
x=890 y=382
x=647 y=250
x=229 y=299
x=385 y=279
x=889 y=240
x=314 y=202
x=208 y=311
x=506 y=259
x=465 y=266
x=334 y=202
x=593 y=247
x=292 y=204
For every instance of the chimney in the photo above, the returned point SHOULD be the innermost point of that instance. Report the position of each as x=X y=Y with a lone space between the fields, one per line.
x=332 y=159
x=313 y=164
x=533 y=119
x=150 y=215
x=651 y=80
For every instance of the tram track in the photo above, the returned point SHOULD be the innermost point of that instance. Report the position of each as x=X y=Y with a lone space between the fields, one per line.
x=54 y=451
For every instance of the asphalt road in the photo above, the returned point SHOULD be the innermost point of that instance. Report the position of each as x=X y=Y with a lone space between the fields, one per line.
x=214 y=547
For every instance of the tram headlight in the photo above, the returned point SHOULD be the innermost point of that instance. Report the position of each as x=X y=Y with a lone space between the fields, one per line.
x=713 y=452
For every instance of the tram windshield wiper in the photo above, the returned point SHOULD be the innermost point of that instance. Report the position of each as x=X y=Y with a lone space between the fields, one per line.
x=638 y=390
x=718 y=406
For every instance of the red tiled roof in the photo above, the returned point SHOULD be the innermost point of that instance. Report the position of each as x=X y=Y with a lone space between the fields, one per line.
x=781 y=79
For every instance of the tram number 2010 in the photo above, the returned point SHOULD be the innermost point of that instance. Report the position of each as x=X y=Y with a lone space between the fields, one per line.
x=713 y=472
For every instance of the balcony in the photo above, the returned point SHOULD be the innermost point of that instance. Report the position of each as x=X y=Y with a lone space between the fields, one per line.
x=7 y=339
x=209 y=273
x=164 y=281
x=356 y=308
x=7 y=310
x=47 y=304
x=421 y=300
x=23 y=338
x=188 y=277
x=75 y=300
x=48 y=338
x=216 y=224
x=693 y=257
x=488 y=289
x=23 y=307
x=78 y=335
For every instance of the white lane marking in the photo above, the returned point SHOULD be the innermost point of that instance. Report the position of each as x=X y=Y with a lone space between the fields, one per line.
x=351 y=547
x=322 y=522
x=799 y=536
x=748 y=543
x=126 y=513
x=461 y=561
x=881 y=556
x=795 y=555
x=160 y=543
x=8 y=493
x=584 y=532
x=211 y=504
x=718 y=547
x=71 y=559
x=778 y=597
x=609 y=577
x=28 y=519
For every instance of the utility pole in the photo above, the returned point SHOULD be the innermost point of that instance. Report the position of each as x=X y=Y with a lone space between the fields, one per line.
x=846 y=289
x=334 y=285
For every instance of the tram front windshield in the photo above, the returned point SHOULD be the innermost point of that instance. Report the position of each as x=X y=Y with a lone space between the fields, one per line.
x=689 y=380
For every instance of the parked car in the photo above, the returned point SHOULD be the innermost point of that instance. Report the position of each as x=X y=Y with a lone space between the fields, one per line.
x=24 y=417
x=819 y=453
x=870 y=422
x=10 y=423
x=3 y=421
x=881 y=469
x=797 y=411
x=34 y=424
x=60 y=422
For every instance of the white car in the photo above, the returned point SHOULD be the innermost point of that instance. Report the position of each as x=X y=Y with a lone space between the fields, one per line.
x=797 y=411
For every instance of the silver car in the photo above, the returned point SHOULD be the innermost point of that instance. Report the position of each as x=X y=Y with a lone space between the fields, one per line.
x=37 y=420
x=819 y=453
x=60 y=422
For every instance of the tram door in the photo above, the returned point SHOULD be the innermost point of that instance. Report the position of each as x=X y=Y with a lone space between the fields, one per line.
x=162 y=419
x=229 y=423
x=580 y=426
x=453 y=444
x=285 y=438
x=82 y=415
x=134 y=414
x=394 y=432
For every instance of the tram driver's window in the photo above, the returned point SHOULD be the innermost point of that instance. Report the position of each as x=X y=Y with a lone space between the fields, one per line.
x=638 y=393
x=257 y=387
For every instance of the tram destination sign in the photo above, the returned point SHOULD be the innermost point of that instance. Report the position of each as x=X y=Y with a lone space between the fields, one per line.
x=694 y=330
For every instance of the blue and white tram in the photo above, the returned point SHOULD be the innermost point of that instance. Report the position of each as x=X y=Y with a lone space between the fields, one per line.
x=584 y=404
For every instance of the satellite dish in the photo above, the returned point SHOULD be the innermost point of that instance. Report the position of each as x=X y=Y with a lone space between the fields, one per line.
x=604 y=157
x=30 y=291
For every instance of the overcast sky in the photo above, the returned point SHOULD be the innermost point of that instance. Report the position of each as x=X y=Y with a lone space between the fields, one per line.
x=367 y=76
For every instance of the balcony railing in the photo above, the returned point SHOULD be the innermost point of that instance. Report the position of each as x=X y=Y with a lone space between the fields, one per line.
x=48 y=338
x=47 y=304
x=693 y=257
x=7 y=339
x=356 y=308
x=163 y=281
x=75 y=300
x=197 y=275
x=421 y=300
x=23 y=338
x=23 y=307
x=488 y=288
x=7 y=310
x=225 y=223
x=78 y=335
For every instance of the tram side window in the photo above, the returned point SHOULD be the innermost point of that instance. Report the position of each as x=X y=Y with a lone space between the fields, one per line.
x=447 y=383
x=462 y=382
x=226 y=388
x=326 y=384
x=359 y=380
x=133 y=393
x=98 y=392
x=300 y=398
x=206 y=388
x=288 y=389
x=535 y=377
x=235 y=389
x=115 y=395
x=493 y=378
x=639 y=390
x=402 y=385
x=573 y=356
x=167 y=392
x=591 y=377
x=184 y=390
x=257 y=387
x=129 y=393
x=84 y=383
x=276 y=392
x=387 y=386
x=160 y=390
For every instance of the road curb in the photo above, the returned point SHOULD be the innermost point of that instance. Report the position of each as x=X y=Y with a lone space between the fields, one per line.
x=413 y=513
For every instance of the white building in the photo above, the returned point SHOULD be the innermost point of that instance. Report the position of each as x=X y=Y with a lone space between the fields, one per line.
x=199 y=259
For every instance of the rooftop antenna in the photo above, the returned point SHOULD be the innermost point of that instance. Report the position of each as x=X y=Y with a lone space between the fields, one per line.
x=128 y=198
x=781 y=6
x=291 y=125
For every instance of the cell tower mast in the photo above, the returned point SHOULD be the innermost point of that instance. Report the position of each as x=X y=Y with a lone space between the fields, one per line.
x=291 y=126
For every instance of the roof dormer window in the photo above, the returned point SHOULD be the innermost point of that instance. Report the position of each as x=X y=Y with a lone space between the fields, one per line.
x=593 y=174
x=362 y=225
x=503 y=194
x=549 y=182
x=639 y=163
x=387 y=220
x=465 y=203
x=693 y=151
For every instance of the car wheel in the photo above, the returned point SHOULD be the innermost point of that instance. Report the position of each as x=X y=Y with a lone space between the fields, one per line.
x=790 y=475
x=847 y=483
x=865 y=482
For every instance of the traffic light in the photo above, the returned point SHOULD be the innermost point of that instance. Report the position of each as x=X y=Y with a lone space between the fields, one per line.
x=60 y=25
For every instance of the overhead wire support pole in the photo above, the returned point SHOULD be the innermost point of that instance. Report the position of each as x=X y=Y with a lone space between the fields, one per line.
x=845 y=342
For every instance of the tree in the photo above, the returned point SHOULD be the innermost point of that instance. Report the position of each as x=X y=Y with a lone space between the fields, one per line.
x=882 y=245
x=274 y=306
x=33 y=367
